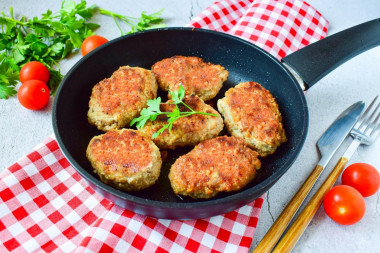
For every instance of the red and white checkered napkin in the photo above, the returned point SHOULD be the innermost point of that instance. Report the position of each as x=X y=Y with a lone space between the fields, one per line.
x=46 y=206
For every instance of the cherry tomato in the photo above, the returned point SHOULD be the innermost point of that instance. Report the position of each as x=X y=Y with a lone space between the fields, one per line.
x=92 y=42
x=363 y=177
x=33 y=94
x=344 y=205
x=34 y=70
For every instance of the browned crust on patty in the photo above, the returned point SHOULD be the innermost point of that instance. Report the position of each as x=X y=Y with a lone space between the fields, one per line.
x=115 y=101
x=125 y=159
x=221 y=164
x=188 y=130
x=198 y=77
x=251 y=112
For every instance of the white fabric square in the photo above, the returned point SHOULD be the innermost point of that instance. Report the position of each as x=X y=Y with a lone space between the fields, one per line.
x=186 y=230
x=63 y=175
x=52 y=231
x=68 y=246
x=76 y=189
x=122 y=246
x=155 y=237
x=31 y=245
x=31 y=169
x=165 y=222
x=58 y=202
x=15 y=229
x=91 y=202
x=231 y=248
x=4 y=210
x=50 y=159
x=23 y=198
x=10 y=180
x=208 y=240
x=44 y=187
x=72 y=217
x=111 y=216
x=100 y=234
x=37 y=215
x=134 y=226
x=217 y=220
x=238 y=228
x=176 y=248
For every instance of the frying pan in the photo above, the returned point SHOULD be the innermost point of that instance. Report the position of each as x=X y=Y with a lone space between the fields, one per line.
x=244 y=61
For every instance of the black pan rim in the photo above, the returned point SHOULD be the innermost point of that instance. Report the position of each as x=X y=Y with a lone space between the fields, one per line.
x=186 y=205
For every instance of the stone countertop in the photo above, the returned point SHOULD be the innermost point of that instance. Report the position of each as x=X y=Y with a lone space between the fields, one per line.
x=358 y=79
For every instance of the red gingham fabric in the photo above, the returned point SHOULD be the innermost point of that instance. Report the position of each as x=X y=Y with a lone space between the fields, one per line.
x=279 y=27
x=46 y=206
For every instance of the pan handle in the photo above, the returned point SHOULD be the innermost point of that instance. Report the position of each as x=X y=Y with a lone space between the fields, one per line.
x=315 y=61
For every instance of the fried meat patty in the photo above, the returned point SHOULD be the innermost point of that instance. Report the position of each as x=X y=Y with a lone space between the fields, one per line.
x=125 y=159
x=197 y=77
x=188 y=130
x=221 y=164
x=115 y=101
x=251 y=112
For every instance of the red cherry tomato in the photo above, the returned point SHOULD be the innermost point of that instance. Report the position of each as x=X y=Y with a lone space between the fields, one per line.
x=34 y=70
x=33 y=94
x=92 y=42
x=363 y=177
x=344 y=205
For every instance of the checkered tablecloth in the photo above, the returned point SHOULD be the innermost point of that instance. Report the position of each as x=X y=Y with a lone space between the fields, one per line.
x=46 y=206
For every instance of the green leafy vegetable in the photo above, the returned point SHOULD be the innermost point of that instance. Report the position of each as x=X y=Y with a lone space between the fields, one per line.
x=146 y=21
x=153 y=110
x=51 y=38
x=47 y=39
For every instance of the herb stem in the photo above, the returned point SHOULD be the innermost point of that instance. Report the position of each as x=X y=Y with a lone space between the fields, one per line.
x=14 y=21
x=187 y=106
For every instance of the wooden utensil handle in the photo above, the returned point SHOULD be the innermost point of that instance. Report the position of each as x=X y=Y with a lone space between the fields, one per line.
x=295 y=231
x=275 y=232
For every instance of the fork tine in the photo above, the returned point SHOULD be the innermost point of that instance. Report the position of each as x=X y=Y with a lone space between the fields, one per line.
x=365 y=116
x=376 y=127
x=362 y=122
x=371 y=121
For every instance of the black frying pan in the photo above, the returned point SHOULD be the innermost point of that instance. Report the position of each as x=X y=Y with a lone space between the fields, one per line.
x=244 y=61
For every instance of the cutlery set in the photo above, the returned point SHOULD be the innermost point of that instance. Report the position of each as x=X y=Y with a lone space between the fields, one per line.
x=364 y=130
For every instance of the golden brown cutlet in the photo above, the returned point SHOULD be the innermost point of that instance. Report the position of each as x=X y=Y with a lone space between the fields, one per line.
x=197 y=77
x=188 y=130
x=221 y=164
x=251 y=112
x=115 y=101
x=125 y=159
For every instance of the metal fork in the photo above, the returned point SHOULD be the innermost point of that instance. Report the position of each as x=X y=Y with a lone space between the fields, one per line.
x=365 y=132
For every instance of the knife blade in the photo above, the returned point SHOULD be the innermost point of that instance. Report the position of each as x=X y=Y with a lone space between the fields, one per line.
x=327 y=144
x=338 y=131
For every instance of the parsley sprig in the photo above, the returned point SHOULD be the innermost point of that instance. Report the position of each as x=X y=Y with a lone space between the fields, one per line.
x=144 y=22
x=47 y=39
x=153 y=111
x=51 y=38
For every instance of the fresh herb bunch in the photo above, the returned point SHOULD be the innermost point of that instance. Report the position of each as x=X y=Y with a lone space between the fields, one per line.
x=146 y=21
x=47 y=39
x=51 y=38
x=153 y=110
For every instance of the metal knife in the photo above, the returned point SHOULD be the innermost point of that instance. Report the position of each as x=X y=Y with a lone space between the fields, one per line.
x=364 y=132
x=327 y=145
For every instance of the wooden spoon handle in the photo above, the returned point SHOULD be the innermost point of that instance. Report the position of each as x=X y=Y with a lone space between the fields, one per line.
x=295 y=231
x=275 y=232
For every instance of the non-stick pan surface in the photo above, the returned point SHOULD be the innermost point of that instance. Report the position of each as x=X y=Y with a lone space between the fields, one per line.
x=243 y=60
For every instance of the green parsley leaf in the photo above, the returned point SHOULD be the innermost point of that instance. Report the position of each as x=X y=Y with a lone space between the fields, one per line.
x=8 y=78
x=153 y=110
